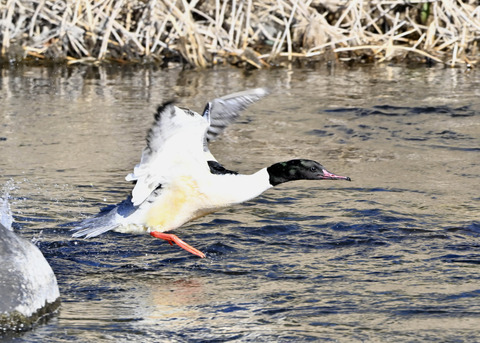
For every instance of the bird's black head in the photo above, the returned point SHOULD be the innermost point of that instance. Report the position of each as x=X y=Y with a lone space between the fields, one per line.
x=300 y=170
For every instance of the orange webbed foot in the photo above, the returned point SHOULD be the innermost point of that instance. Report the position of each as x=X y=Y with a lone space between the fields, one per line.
x=174 y=239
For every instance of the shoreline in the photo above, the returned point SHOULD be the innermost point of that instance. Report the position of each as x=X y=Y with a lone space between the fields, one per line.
x=251 y=34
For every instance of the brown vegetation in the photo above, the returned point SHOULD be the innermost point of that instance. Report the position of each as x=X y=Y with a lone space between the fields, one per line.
x=254 y=33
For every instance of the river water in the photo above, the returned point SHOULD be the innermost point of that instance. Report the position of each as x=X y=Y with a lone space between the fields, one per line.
x=393 y=256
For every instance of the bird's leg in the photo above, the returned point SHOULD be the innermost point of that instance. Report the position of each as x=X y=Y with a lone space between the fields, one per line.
x=174 y=239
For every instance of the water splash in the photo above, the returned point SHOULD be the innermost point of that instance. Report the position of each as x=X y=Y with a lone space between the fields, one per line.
x=6 y=217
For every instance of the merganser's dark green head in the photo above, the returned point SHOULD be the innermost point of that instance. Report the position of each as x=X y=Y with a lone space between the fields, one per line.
x=300 y=170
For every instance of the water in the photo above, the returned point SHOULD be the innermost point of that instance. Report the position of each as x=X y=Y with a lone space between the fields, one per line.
x=392 y=256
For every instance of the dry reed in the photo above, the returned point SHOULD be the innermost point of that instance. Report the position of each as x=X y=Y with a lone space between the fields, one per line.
x=255 y=33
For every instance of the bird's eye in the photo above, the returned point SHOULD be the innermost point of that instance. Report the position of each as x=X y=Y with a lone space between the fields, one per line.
x=313 y=169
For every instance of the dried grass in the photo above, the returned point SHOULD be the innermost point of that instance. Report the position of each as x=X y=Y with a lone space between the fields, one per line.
x=256 y=33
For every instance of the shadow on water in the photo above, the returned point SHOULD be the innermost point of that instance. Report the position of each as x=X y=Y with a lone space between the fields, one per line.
x=391 y=256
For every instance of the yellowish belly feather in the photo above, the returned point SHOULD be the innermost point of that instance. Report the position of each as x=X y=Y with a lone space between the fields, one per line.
x=178 y=204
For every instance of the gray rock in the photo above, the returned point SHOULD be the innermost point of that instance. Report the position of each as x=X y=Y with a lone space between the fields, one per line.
x=28 y=287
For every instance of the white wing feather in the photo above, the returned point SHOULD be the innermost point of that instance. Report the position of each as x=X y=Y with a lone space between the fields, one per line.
x=174 y=148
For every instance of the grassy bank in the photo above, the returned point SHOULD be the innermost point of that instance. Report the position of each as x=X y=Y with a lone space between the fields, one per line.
x=255 y=33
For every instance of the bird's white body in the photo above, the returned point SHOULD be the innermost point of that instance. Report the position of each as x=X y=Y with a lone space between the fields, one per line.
x=190 y=197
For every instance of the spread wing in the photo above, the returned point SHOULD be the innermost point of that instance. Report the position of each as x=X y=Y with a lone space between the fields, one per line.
x=177 y=143
x=225 y=110
x=174 y=147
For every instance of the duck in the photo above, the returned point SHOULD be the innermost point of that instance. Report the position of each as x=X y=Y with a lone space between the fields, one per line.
x=178 y=179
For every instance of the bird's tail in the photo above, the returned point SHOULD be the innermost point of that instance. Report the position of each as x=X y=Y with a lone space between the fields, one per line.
x=108 y=219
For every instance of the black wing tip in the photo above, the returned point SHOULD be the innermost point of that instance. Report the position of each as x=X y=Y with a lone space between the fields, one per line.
x=161 y=108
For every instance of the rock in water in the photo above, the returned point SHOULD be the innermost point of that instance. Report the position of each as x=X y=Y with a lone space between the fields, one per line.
x=28 y=287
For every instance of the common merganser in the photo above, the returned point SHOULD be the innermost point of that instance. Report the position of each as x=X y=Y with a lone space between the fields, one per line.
x=178 y=179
